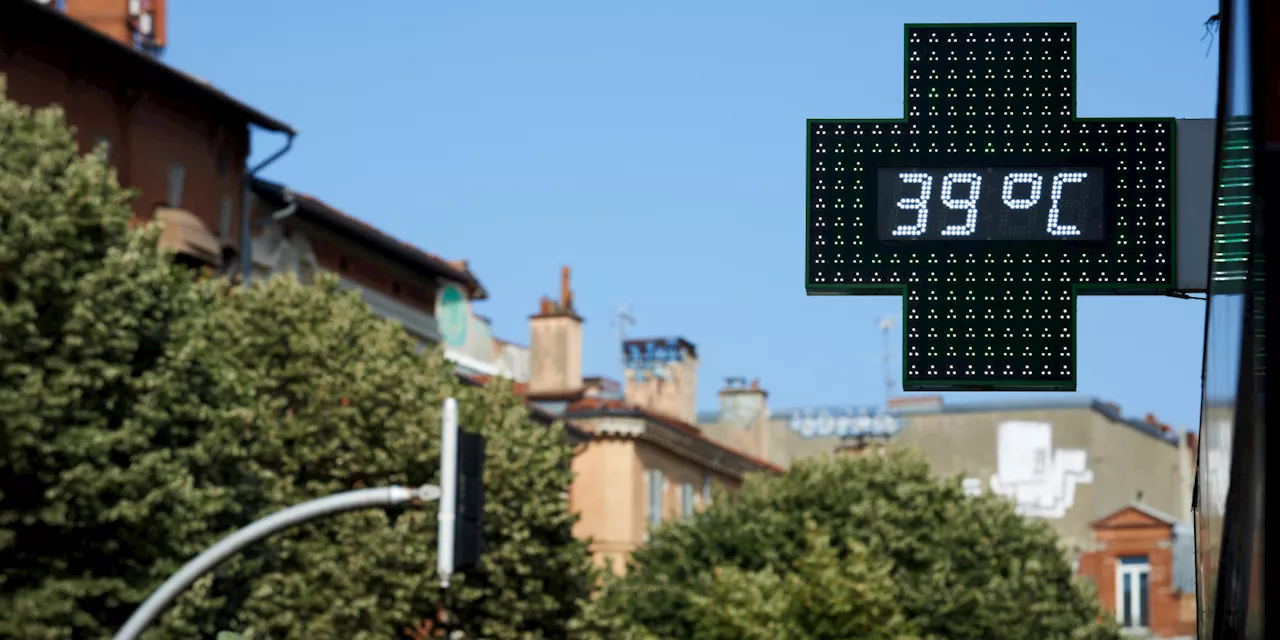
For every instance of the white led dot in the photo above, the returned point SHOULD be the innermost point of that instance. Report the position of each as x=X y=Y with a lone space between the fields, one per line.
x=1006 y=190
x=969 y=204
x=1055 y=194
x=919 y=204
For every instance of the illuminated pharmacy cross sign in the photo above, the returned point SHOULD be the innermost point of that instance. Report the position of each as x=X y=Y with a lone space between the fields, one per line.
x=990 y=207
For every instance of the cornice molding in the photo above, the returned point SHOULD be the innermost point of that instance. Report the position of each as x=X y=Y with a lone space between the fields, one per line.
x=702 y=452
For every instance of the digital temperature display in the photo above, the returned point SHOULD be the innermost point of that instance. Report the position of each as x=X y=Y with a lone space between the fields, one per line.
x=989 y=206
x=990 y=203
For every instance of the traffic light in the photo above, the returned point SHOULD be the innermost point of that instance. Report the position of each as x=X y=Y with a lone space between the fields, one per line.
x=468 y=540
x=460 y=535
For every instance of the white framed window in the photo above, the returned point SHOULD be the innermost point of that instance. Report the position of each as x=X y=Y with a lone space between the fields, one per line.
x=971 y=486
x=688 y=499
x=177 y=175
x=1133 y=588
x=655 y=497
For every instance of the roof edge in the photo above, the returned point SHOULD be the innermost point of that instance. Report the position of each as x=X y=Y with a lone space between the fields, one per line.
x=324 y=214
x=537 y=414
x=59 y=20
x=1032 y=404
x=637 y=413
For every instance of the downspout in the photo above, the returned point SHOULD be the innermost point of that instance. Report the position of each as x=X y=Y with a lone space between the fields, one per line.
x=246 y=189
x=291 y=206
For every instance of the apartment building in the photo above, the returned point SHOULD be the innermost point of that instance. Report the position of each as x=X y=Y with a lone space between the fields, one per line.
x=178 y=140
x=647 y=461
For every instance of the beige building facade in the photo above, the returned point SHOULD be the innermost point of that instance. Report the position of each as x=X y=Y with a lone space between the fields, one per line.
x=1118 y=491
x=1067 y=461
x=647 y=461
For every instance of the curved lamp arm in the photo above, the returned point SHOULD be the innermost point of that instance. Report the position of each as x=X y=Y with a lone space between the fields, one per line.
x=161 y=598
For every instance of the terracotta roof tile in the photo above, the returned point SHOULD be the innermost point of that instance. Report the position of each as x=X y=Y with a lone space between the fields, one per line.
x=570 y=395
x=598 y=404
x=520 y=388
x=539 y=414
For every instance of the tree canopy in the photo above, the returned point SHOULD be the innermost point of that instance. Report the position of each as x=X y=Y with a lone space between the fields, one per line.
x=865 y=547
x=147 y=412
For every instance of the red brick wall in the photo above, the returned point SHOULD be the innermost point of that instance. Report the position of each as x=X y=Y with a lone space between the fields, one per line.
x=378 y=275
x=106 y=16
x=1169 y=615
x=147 y=130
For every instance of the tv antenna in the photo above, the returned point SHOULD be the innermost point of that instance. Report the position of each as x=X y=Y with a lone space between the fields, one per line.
x=886 y=356
x=622 y=318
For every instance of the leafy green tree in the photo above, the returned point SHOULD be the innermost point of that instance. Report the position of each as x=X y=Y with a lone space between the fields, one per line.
x=335 y=398
x=905 y=556
x=92 y=493
x=825 y=594
x=144 y=415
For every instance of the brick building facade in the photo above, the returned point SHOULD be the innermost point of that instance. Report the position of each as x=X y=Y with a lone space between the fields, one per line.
x=1143 y=566
x=184 y=146
x=176 y=139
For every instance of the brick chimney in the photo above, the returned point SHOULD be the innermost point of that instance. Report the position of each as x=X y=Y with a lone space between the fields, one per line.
x=137 y=23
x=555 y=344
x=909 y=404
x=662 y=376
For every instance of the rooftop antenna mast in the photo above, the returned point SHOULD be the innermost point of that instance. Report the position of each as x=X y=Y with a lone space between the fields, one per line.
x=886 y=356
x=622 y=318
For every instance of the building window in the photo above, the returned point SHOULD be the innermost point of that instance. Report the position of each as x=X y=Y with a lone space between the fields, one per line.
x=655 y=497
x=177 y=175
x=1133 y=575
x=706 y=489
x=688 y=499
x=104 y=143
x=971 y=486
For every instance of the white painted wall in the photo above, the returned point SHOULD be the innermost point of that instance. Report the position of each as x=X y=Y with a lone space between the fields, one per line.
x=1039 y=479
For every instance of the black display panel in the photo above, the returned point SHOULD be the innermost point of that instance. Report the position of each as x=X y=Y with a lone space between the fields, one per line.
x=995 y=313
x=990 y=203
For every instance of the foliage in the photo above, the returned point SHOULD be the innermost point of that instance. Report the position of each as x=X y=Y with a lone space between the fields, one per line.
x=856 y=547
x=147 y=414
x=823 y=595
x=335 y=398
x=88 y=473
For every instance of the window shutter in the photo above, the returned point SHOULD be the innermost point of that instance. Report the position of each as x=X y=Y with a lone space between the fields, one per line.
x=687 y=498
x=655 y=497
x=177 y=175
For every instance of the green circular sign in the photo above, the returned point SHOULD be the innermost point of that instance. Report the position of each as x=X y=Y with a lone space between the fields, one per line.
x=451 y=315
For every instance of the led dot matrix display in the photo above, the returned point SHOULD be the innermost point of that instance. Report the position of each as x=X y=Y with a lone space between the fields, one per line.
x=1027 y=206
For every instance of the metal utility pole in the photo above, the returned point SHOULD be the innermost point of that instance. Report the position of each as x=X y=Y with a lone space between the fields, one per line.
x=448 y=492
x=460 y=533
x=161 y=598
x=886 y=356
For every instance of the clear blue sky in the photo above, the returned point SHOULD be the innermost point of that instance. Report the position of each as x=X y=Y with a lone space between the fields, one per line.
x=658 y=149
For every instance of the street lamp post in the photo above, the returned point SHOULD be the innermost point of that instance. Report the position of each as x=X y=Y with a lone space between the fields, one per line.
x=161 y=598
